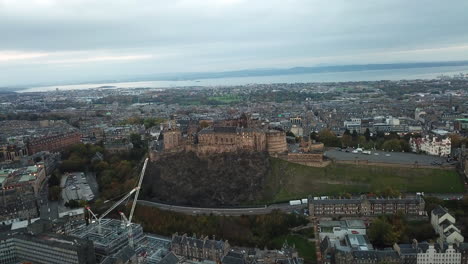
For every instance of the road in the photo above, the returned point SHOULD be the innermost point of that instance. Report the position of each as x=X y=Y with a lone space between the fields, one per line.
x=285 y=207
x=222 y=211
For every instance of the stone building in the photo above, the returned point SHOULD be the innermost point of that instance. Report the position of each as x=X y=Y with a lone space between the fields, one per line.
x=431 y=146
x=202 y=248
x=221 y=139
x=53 y=143
x=366 y=206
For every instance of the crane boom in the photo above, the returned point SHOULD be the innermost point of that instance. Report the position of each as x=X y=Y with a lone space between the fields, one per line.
x=92 y=213
x=137 y=191
x=118 y=203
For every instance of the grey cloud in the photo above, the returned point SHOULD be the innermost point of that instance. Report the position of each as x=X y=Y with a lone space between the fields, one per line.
x=208 y=35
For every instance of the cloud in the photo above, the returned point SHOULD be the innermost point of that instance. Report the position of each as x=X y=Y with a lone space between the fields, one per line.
x=152 y=36
x=101 y=59
x=8 y=56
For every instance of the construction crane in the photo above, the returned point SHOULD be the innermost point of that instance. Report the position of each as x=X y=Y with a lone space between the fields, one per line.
x=128 y=222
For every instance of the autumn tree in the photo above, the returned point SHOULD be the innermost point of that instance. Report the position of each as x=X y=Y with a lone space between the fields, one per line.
x=381 y=233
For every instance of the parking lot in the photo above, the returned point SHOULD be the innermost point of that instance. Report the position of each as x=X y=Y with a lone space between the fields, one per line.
x=75 y=187
x=387 y=157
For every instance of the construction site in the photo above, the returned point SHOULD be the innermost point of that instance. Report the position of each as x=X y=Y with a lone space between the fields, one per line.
x=115 y=239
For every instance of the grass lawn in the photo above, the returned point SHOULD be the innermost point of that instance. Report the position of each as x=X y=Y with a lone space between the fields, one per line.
x=305 y=248
x=225 y=99
x=289 y=181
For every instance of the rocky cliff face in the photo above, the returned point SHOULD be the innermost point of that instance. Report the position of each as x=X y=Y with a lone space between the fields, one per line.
x=214 y=180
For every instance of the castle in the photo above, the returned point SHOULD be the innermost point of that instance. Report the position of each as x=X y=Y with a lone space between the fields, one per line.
x=221 y=139
x=233 y=136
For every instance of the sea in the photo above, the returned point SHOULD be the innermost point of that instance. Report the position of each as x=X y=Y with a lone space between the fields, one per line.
x=371 y=75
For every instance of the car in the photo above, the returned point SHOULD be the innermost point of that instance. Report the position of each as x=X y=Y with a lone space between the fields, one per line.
x=387 y=155
x=376 y=154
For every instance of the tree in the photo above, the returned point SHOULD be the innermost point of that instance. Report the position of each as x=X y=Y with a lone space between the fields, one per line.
x=346 y=140
x=135 y=139
x=354 y=135
x=367 y=134
x=392 y=145
x=313 y=135
x=54 y=179
x=328 y=138
x=347 y=132
x=390 y=192
x=381 y=233
x=72 y=204
x=204 y=124
x=54 y=193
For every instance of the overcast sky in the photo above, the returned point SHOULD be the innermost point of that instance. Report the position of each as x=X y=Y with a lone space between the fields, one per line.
x=79 y=40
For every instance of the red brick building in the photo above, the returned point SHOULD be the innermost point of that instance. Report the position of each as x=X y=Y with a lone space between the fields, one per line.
x=54 y=143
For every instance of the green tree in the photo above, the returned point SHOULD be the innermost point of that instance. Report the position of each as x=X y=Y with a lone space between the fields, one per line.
x=328 y=138
x=354 y=135
x=346 y=140
x=392 y=145
x=367 y=134
x=381 y=233
x=135 y=139
x=72 y=204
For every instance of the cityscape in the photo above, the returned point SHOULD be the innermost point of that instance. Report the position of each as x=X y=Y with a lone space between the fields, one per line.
x=149 y=151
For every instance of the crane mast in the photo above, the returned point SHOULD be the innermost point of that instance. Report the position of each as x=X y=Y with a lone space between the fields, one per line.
x=138 y=190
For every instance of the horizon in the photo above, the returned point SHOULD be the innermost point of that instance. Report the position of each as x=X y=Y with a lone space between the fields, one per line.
x=260 y=72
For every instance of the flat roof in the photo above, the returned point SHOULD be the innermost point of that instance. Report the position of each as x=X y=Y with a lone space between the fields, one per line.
x=26 y=177
x=22 y=224
x=355 y=223
x=358 y=241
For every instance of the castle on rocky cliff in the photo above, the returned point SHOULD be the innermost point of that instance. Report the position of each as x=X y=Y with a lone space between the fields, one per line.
x=229 y=136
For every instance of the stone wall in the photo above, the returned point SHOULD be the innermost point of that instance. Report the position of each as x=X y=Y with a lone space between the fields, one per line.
x=308 y=159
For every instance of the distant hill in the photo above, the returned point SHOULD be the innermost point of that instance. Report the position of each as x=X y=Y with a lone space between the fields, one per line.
x=253 y=73
x=304 y=70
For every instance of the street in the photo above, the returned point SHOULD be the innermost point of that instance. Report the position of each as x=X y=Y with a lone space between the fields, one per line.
x=223 y=211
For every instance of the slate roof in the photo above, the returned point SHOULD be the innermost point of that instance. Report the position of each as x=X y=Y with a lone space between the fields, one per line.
x=199 y=243
x=440 y=211
x=170 y=258
x=233 y=258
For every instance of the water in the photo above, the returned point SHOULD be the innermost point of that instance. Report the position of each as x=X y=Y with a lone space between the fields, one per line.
x=374 y=75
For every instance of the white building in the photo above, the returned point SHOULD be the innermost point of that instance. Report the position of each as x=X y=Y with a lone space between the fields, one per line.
x=354 y=124
x=444 y=225
x=432 y=256
x=392 y=121
x=432 y=146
